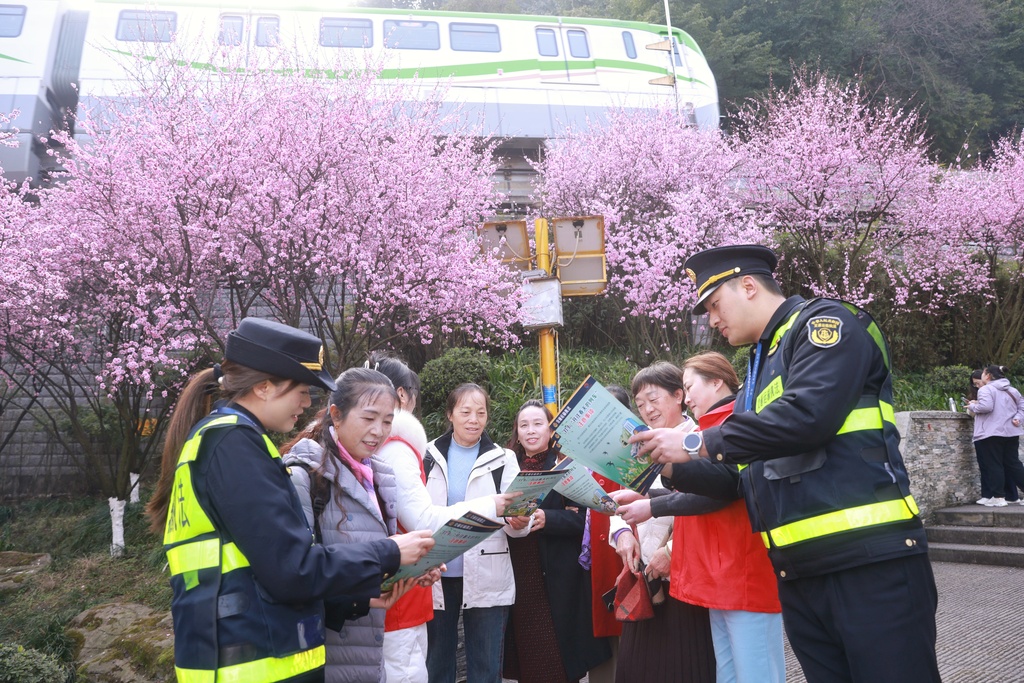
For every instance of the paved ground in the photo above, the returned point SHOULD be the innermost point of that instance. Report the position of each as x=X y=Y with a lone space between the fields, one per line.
x=980 y=625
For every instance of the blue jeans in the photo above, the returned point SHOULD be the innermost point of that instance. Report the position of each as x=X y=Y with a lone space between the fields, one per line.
x=484 y=629
x=748 y=646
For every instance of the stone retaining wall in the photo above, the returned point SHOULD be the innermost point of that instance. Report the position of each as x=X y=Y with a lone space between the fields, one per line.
x=939 y=453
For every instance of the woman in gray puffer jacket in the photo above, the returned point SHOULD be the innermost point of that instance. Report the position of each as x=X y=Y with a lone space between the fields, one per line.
x=333 y=467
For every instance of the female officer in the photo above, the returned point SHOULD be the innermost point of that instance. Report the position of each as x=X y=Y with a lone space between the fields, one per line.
x=248 y=581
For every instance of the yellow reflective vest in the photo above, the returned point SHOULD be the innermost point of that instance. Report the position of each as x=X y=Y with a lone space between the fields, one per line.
x=226 y=627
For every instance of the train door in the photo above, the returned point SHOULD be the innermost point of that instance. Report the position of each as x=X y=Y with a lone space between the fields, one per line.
x=565 y=54
x=251 y=30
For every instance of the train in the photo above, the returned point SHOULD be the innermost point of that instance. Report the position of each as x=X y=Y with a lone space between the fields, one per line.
x=525 y=77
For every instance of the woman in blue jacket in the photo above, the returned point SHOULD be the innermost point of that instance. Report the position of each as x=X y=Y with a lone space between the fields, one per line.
x=248 y=581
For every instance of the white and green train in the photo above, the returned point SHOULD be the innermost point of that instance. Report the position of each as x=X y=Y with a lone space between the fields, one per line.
x=524 y=77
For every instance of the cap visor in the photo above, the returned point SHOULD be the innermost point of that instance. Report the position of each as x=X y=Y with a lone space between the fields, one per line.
x=698 y=308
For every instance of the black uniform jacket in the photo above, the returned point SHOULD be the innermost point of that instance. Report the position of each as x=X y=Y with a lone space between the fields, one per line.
x=800 y=467
x=250 y=498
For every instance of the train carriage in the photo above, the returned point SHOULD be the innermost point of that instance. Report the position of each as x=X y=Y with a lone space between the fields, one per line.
x=524 y=77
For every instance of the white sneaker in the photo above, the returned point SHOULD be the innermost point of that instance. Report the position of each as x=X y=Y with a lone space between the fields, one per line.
x=995 y=503
x=984 y=501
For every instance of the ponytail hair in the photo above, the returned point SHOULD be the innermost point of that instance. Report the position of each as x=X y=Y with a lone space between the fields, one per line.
x=229 y=381
x=401 y=376
x=997 y=371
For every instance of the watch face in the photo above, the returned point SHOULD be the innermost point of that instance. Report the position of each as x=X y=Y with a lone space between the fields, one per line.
x=692 y=441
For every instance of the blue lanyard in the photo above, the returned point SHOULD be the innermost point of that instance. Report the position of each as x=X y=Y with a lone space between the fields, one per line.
x=752 y=370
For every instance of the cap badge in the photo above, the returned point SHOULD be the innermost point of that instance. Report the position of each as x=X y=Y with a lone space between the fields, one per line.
x=319 y=365
x=692 y=275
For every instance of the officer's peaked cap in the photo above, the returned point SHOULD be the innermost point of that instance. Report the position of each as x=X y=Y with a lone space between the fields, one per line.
x=710 y=268
x=279 y=350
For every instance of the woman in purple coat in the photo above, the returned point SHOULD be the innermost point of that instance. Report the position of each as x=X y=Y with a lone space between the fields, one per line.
x=998 y=415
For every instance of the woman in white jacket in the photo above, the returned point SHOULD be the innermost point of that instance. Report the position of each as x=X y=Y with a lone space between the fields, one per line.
x=405 y=636
x=462 y=464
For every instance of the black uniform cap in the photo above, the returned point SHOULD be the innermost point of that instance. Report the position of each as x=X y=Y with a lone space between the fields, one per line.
x=280 y=350
x=710 y=268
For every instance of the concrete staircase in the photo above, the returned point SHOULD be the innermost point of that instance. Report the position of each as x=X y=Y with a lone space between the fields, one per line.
x=976 y=534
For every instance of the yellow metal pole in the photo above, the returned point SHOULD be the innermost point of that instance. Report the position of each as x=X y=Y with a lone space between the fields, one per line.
x=548 y=373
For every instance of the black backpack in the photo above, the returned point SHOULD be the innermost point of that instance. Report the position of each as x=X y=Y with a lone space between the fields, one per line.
x=320 y=493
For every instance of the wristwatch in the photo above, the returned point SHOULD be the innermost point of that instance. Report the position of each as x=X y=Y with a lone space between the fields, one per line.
x=692 y=443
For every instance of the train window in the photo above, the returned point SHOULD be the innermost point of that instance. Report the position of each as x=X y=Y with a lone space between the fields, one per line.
x=232 y=28
x=268 y=31
x=12 y=20
x=146 y=26
x=412 y=35
x=547 y=46
x=627 y=40
x=338 y=32
x=578 y=43
x=474 y=37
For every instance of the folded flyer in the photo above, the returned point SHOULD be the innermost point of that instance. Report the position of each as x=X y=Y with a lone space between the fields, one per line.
x=578 y=484
x=533 y=486
x=594 y=429
x=451 y=540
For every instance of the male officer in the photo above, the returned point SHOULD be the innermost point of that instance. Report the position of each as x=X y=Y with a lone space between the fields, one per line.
x=814 y=436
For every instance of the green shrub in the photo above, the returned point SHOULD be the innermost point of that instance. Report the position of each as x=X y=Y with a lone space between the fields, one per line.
x=931 y=390
x=21 y=665
x=514 y=378
x=441 y=375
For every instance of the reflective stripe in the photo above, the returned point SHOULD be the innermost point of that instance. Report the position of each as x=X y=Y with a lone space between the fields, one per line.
x=786 y=325
x=204 y=555
x=830 y=523
x=271 y=447
x=232 y=559
x=861 y=419
x=193 y=556
x=265 y=670
x=873 y=330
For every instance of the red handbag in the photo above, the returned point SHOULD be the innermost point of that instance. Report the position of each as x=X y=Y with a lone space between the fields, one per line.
x=632 y=597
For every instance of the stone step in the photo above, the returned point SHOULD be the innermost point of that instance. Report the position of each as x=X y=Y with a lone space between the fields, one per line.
x=1012 y=537
x=976 y=554
x=979 y=516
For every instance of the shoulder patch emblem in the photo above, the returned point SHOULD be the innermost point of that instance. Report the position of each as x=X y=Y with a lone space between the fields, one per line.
x=824 y=331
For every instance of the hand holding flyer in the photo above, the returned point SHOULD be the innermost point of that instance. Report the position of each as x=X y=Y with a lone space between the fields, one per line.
x=594 y=429
x=451 y=540
x=533 y=486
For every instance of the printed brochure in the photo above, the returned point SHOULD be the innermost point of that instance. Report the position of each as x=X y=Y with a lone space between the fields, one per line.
x=451 y=540
x=578 y=484
x=594 y=429
x=533 y=486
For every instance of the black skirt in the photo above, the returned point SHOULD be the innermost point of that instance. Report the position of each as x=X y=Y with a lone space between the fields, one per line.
x=673 y=647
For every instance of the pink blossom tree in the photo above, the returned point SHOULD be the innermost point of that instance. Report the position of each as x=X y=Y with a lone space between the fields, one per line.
x=320 y=198
x=842 y=184
x=666 y=190
x=983 y=209
x=17 y=394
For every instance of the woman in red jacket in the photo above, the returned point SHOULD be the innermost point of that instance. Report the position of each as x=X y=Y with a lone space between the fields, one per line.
x=717 y=560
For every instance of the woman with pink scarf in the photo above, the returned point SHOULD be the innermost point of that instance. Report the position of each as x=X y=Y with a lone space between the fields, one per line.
x=349 y=496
